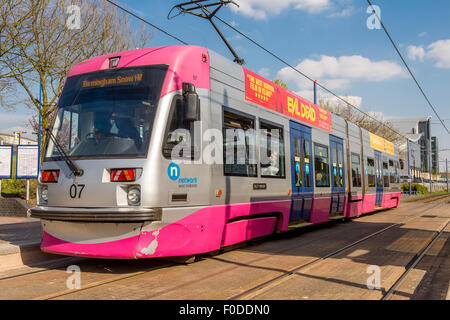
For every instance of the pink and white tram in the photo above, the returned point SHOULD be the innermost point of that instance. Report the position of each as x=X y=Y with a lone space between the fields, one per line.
x=110 y=188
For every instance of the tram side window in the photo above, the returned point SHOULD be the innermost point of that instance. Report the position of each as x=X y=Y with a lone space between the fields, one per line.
x=179 y=140
x=307 y=158
x=239 y=145
x=385 y=174
x=392 y=172
x=321 y=166
x=397 y=176
x=272 y=151
x=356 y=170
x=371 y=172
x=402 y=165
x=69 y=136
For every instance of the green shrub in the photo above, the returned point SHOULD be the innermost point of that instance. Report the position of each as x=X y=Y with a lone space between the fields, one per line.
x=415 y=187
x=18 y=188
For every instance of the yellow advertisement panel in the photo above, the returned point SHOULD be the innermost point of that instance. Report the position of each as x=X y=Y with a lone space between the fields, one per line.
x=389 y=147
x=376 y=142
x=380 y=144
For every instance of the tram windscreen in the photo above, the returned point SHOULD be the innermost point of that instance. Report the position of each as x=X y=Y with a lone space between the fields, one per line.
x=107 y=113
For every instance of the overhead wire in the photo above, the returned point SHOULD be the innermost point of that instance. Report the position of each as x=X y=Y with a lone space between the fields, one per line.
x=306 y=76
x=271 y=54
x=147 y=22
x=407 y=67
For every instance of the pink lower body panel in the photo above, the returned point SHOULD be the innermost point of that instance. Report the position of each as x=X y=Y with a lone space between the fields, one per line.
x=320 y=210
x=239 y=231
x=353 y=206
x=202 y=231
x=391 y=200
x=120 y=249
x=369 y=203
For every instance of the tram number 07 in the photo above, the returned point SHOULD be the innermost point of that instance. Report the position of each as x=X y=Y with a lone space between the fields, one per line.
x=76 y=190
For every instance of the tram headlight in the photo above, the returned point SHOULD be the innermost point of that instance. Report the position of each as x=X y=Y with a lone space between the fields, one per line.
x=44 y=193
x=134 y=196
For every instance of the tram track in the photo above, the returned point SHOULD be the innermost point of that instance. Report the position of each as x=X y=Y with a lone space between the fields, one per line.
x=96 y=284
x=99 y=283
x=417 y=209
x=414 y=262
x=258 y=288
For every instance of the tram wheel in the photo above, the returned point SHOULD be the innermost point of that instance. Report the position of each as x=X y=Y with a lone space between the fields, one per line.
x=215 y=252
x=184 y=259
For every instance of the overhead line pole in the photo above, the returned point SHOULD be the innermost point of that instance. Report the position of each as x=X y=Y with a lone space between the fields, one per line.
x=409 y=167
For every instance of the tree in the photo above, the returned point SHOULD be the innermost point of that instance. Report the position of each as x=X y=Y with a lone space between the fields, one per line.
x=42 y=46
x=10 y=30
x=281 y=83
x=372 y=123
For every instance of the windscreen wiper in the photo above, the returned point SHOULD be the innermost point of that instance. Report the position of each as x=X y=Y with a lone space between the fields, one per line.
x=77 y=172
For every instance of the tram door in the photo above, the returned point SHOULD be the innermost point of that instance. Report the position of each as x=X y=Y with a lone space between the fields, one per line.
x=301 y=168
x=337 y=176
x=379 y=180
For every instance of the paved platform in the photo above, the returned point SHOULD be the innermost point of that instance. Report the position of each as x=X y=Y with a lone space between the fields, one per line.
x=16 y=232
x=20 y=239
x=430 y=280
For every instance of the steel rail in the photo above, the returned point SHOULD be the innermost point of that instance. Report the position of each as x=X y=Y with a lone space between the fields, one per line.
x=294 y=270
x=419 y=258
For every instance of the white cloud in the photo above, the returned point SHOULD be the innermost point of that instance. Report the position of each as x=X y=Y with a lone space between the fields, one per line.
x=26 y=132
x=339 y=72
x=416 y=53
x=13 y=122
x=440 y=50
x=340 y=14
x=264 y=72
x=354 y=100
x=260 y=9
x=422 y=34
x=377 y=115
x=306 y=94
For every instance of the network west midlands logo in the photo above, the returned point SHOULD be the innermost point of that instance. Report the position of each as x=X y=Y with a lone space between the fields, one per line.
x=174 y=173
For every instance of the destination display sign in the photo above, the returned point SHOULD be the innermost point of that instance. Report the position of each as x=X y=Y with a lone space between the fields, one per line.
x=6 y=162
x=269 y=95
x=27 y=162
x=122 y=79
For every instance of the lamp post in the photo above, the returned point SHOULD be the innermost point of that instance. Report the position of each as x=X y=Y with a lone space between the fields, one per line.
x=446 y=167
x=409 y=167
x=429 y=168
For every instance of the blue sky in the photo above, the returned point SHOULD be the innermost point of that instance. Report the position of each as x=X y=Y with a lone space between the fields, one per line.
x=330 y=41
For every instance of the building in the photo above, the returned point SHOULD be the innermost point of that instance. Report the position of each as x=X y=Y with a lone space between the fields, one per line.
x=418 y=130
x=9 y=139
x=415 y=163
x=434 y=155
